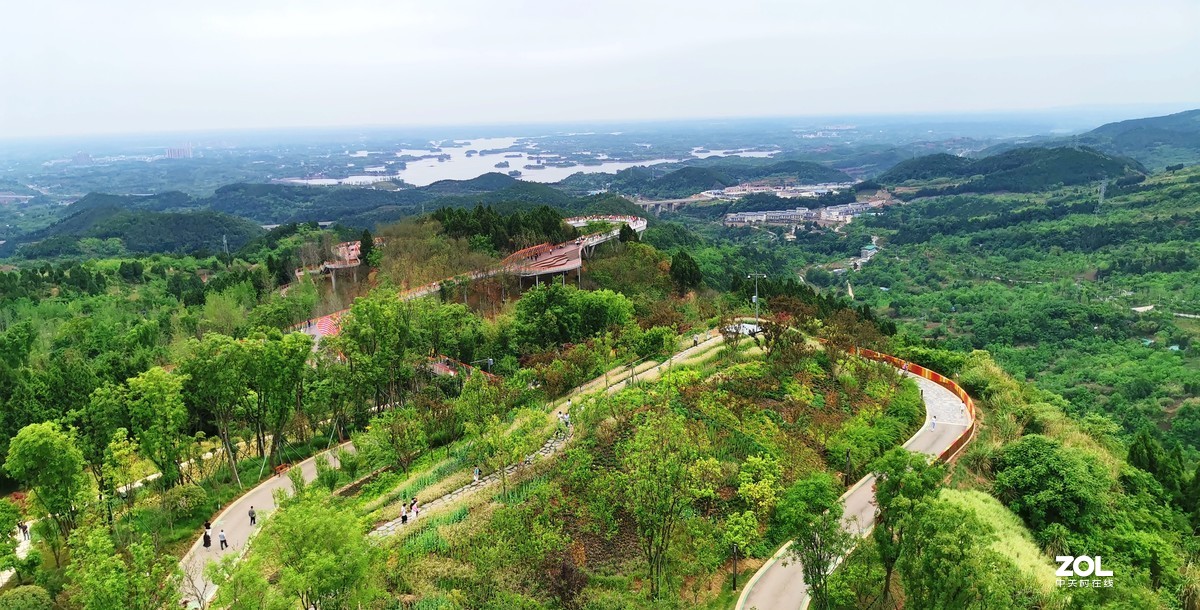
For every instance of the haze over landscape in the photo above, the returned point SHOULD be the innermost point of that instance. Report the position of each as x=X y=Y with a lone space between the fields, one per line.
x=76 y=68
x=775 y=305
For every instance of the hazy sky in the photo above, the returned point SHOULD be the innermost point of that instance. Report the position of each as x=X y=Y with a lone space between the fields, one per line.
x=123 y=66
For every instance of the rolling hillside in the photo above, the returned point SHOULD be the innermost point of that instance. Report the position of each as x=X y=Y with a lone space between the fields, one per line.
x=139 y=231
x=1156 y=141
x=1017 y=170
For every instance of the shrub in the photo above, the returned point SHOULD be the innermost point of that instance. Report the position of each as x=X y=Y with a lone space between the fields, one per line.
x=27 y=597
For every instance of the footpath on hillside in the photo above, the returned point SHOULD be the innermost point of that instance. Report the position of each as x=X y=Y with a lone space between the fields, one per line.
x=235 y=521
x=779 y=584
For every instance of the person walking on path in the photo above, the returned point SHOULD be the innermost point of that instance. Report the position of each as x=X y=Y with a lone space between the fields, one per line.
x=416 y=507
x=695 y=339
x=207 y=539
x=253 y=517
x=24 y=527
x=933 y=425
x=476 y=475
x=224 y=542
x=403 y=514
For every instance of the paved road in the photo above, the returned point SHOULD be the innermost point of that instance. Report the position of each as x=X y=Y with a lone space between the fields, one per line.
x=235 y=521
x=23 y=547
x=780 y=585
x=235 y=518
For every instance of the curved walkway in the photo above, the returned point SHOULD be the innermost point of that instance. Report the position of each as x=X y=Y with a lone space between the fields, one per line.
x=778 y=584
x=235 y=520
x=555 y=442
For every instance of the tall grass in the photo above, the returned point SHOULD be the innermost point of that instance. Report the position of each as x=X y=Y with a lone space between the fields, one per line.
x=1013 y=539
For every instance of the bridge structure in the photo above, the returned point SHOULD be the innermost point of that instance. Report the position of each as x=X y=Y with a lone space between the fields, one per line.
x=542 y=260
x=659 y=206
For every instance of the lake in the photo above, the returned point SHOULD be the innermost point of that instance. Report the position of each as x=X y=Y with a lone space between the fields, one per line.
x=460 y=166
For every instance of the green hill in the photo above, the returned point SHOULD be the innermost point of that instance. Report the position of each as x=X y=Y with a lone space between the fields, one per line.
x=1017 y=170
x=1156 y=141
x=928 y=167
x=139 y=231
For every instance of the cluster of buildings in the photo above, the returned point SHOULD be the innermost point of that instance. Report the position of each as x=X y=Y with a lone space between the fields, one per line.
x=833 y=215
x=787 y=191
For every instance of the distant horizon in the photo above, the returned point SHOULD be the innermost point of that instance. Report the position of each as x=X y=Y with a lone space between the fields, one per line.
x=1094 y=116
x=78 y=69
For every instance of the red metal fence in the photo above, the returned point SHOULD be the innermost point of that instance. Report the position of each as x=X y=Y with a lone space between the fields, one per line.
x=939 y=379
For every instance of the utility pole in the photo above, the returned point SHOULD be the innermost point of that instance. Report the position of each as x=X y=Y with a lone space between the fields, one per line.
x=757 y=322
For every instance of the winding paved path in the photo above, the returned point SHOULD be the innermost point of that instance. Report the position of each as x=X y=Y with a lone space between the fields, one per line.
x=234 y=519
x=555 y=442
x=779 y=584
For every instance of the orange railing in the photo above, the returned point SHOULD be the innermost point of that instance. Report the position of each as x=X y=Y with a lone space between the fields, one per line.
x=938 y=378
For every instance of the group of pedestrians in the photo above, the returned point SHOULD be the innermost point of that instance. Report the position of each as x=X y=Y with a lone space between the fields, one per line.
x=564 y=420
x=220 y=537
x=413 y=508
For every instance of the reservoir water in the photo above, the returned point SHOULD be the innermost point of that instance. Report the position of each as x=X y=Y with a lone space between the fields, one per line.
x=453 y=163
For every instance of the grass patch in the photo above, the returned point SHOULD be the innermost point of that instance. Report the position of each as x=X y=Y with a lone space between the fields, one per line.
x=1014 y=540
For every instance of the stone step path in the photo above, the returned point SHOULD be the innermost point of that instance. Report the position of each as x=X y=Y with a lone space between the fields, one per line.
x=551 y=446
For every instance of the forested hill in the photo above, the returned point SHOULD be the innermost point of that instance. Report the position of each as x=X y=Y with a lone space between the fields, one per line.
x=177 y=222
x=1018 y=170
x=1156 y=141
x=107 y=229
x=675 y=180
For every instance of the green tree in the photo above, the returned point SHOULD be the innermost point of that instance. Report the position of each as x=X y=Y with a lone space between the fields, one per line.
x=500 y=445
x=242 y=586
x=946 y=562
x=322 y=554
x=277 y=365
x=93 y=425
x=366 y=248
x=810 y=513
x=395 y=437
x=1045 y=483
x=103 y=579
x=902 y=479
x=10 y=516
x=27 y=597
x=656 y=486
x=158 y=418
x=741 y=531
x=685 y=272
x=44 y=459
x=759 y=484
x=216 y=384
x=377 y=340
